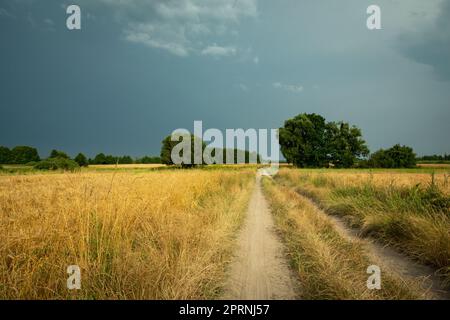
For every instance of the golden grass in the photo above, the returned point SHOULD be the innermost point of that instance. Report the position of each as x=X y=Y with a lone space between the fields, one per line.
x=342 y=178
x=157 y=235
x=329 y=266
x=434 y=165
x=127 y=166
x=400 y=209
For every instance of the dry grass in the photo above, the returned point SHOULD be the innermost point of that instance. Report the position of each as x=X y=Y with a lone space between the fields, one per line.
x=329 y=266
x=434 y=165
x=127 y=166
x=410 y=211
x=157 y=235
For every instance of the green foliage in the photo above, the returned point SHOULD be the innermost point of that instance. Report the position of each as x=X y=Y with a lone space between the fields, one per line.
x=168 y=145
x=435 y=158
x=24 y=154
x=308 y=140
x=345 y=145
x=57 y=164
x=239 y=156
x=125 y=160
x=396 y=157
x=101 y=158
x=149 y=160
x=5 y=155
x=58 y=154
x=81 y=160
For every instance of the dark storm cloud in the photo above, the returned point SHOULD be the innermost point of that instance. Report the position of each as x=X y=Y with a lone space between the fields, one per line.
x=139 y=69
x=431 y=46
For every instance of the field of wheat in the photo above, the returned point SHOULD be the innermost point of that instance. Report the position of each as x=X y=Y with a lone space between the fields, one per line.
x=154 y=235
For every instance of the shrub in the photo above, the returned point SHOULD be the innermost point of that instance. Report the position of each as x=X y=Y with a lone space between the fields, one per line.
x=58 y=154
x=24 y=154
x=396 y=157
x=81 y=160
x=57 y=164
x=147 y=159
x=5 y=155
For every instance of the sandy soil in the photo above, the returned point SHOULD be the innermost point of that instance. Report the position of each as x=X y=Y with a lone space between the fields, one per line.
x=259 y=269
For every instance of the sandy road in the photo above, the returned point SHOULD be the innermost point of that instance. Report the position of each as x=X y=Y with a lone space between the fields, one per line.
x=259 y=269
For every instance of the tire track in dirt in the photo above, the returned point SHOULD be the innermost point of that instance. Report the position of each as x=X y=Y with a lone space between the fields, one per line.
x=389 y=259
x=259 y=269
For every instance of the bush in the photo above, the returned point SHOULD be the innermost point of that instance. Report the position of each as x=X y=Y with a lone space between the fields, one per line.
x=24 y=154
x=5 y=155
x=147 y=160
x=31 y=163
x=81 y=160
x=58 y=154
x=396 y=157
x=57 y=164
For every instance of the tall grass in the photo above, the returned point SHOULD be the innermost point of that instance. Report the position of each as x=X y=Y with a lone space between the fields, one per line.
x=410 y=212
x=329 y=266
x=158 y=235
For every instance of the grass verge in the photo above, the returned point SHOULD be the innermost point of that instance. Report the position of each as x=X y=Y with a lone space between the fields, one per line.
x=413 y=217
x=328 y=265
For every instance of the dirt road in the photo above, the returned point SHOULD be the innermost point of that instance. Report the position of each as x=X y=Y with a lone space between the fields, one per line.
x=259 y=269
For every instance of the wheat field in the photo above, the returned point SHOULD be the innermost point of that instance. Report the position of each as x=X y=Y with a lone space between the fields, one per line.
x=134 y=235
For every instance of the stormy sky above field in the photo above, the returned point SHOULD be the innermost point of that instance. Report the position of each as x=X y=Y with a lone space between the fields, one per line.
x=139 y=69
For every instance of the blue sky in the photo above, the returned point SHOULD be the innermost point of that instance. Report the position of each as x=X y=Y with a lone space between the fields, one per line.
x=139 y=69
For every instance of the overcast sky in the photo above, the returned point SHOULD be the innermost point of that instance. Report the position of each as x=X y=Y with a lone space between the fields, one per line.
x=136 y=71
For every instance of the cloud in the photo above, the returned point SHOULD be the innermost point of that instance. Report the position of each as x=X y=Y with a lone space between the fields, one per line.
x=161 y=37
x=219 y=51
x=5 y=13
x=243 y=87
x=49 y=22
x=431 y=44
x=288 y=87
x=181 y=27
x=256 y=60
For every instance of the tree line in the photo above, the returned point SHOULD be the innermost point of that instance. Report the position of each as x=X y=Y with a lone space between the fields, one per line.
x=435 y=157
x=239 y=156
x=308 y=140
x=27 y=155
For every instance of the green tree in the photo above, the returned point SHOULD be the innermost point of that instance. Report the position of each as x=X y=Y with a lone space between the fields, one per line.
x=58 y=154
x=24 y=154
x=125 y=160
x=100 y=159
x=302 y=140
x=81 y=160
x=111 y=159
x=186 y=139
x=308 y=140
x=5 y=155
x=395 y=157
x=148 y=159
x=345 y=144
